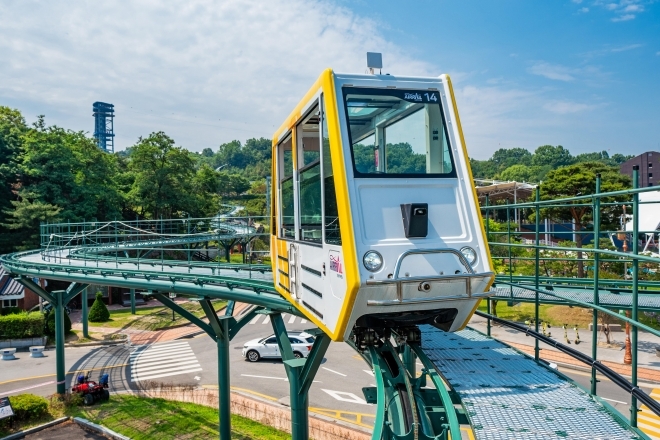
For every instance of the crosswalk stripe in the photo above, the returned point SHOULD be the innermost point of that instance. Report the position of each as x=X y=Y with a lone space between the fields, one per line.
x=160 y=361
x=157 y=352
x=159 y=349
x=293 y=318
x=163 y=360
x=175 y=365
x=255 y=319
x=266 y=319
x=161 y=354
x=303 y=321
x=156 y=376
x=159 y=344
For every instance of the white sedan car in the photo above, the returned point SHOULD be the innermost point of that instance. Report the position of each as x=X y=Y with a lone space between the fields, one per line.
x=267 y=347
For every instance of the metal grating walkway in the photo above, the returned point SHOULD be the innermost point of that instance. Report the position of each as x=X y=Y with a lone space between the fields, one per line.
x=606 y=298
x=508 y=396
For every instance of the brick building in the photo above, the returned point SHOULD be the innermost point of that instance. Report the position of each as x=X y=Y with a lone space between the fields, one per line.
x=13 y=294
x=648 y=162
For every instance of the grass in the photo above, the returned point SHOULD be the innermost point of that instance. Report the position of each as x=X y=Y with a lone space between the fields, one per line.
x=144 y=418
x=153 y=318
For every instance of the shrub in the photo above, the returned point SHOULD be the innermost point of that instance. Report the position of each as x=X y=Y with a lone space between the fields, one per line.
x=98 y=312
x=28 y=406
x=50 y=323
x=10 y=311
x=22 y=325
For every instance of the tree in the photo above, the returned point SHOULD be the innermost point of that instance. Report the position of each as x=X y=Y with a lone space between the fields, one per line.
x=506 y=157
x=25 y=218
x=98 y=312
x=12 y=128
x=50 y=323
x=66 y=169
x=580 y=179
x=163 y=178
x=555 y=157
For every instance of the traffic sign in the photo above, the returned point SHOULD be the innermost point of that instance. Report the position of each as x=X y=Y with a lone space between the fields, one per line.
x=5 y=408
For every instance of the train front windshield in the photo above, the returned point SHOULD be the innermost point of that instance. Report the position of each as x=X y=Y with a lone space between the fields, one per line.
x=399 y=133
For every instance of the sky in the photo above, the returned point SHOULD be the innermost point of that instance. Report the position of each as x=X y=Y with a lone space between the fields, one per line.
x=579 y=73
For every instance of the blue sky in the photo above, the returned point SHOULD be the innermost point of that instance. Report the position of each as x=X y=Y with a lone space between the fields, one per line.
x=583 y=74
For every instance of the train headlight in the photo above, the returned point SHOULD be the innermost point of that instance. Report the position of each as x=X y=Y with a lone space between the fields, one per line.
x=470 y=255
x=373 y=261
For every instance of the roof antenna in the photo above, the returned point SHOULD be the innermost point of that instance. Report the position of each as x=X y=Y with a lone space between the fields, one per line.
x=374 y=61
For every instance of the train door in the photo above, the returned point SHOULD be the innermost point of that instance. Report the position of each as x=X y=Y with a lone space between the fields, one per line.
x=310 y=254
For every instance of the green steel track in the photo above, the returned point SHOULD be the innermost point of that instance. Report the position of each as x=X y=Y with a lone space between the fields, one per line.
x=429 y=406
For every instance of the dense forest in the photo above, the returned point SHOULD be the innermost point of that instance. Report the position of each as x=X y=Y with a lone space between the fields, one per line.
x=521 y=165
x=51 y=174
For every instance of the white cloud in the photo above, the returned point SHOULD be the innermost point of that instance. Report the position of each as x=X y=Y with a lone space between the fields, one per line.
x=205 y=72
x=625 y=48
x=552 y=71
x=658 y=53
x=583 y=10
x=625 y=17
x=567 y=107
x=577 y=1
x=625 y=10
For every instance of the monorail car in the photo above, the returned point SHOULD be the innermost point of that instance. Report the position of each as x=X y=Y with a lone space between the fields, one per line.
x=375 y=221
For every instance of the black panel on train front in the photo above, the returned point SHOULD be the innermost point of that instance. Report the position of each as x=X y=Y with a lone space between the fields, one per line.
x=415 y=219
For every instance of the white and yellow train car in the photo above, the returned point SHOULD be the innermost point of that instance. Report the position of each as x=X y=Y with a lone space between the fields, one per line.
x=375 y=221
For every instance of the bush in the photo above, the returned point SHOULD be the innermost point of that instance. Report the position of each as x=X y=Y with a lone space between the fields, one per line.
x=10 y=311
x=22 y=325
x=50 y=323
x=98 y=312
x=28 y=406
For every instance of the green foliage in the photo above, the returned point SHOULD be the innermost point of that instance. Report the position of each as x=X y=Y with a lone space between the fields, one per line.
x=518 y=164
x=98 y=312
x=22 y=325
x=50 y=323
x=28 y=406
x=10 y=311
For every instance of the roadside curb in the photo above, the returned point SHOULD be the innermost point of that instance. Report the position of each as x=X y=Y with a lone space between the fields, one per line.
x=87 y=425
x=22 y=434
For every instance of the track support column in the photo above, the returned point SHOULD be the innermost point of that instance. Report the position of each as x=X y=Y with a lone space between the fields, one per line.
x=58 y=299
x=85 y=312
x=222 y=330
x=301 y=374
x=132 y=301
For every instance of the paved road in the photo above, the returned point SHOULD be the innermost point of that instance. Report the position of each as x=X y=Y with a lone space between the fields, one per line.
x=337 y=387
x=338 y=384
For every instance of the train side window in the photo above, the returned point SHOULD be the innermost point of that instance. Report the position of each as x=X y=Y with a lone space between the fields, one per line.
x=331 y=215
x=285 y=171
x=309 y=169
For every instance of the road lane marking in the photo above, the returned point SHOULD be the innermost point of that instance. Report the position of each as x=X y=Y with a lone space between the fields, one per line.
x=266 y=319
x=255 y=319
x=265 y=377
x=615 y=401
x=647 y=420
x=333 y=371
x=292 y=319
x=303 y=321
x=164 y=360
x=343 y=396
x=369 y=372
x=28 y=388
